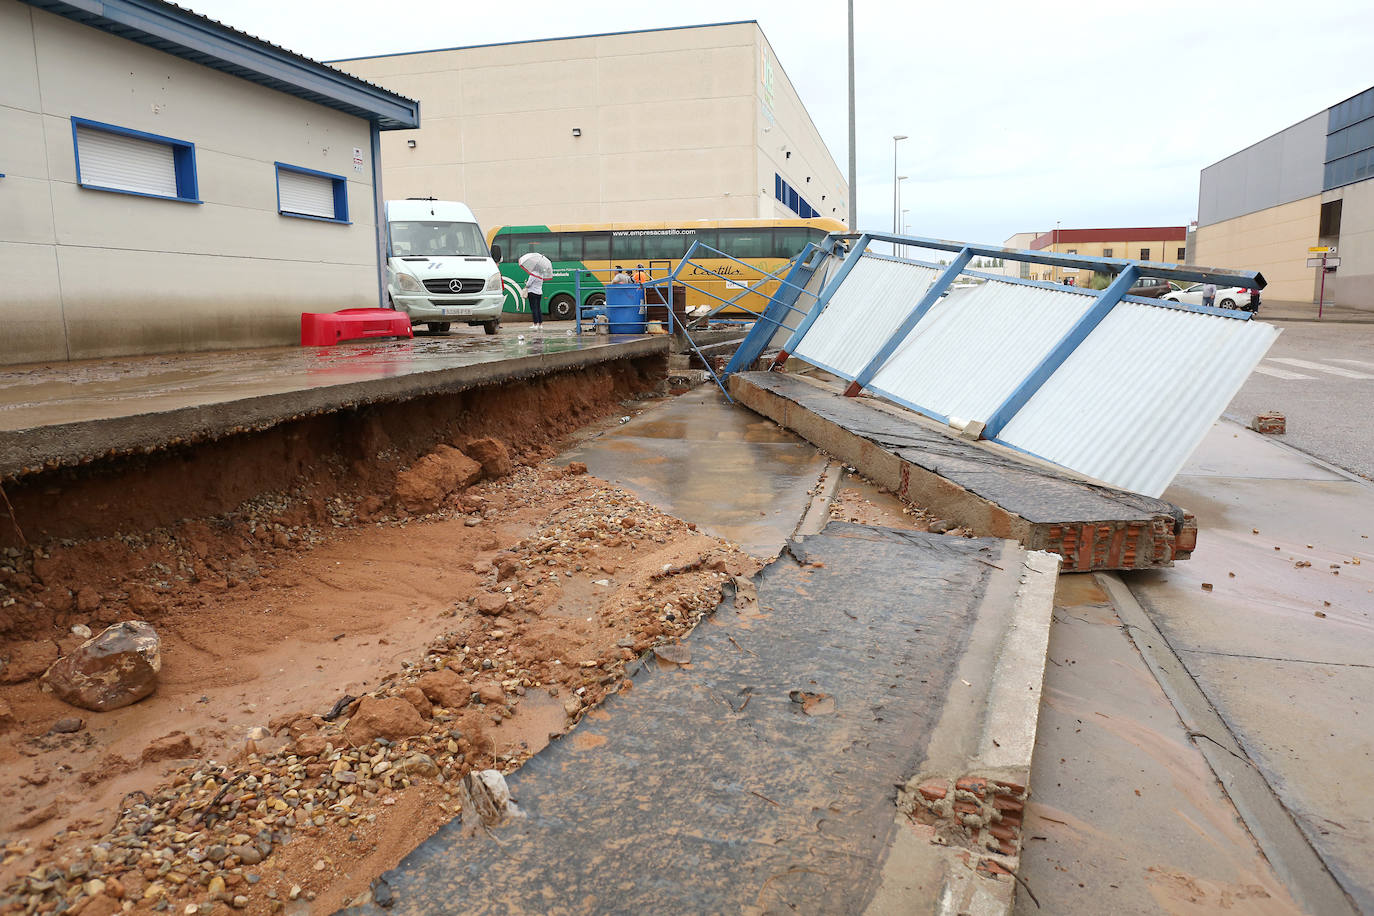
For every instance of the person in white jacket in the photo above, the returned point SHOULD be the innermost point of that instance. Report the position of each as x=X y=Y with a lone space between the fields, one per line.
x=534 y=291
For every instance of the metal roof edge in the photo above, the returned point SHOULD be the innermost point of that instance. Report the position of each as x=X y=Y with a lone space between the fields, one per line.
x=530 y=41
x=186 y=34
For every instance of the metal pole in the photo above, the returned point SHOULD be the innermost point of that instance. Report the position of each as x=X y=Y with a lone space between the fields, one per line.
x=895 y=205
x=1321 y=296
x=853 y=146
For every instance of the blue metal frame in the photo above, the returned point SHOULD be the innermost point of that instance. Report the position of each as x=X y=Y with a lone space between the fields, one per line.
x=752 y=347
x=1106 y=301
x=340 y=189
x=182 y=33
x=1246 y=278
x=918 y=311
x=183 y=161
x=819 y=305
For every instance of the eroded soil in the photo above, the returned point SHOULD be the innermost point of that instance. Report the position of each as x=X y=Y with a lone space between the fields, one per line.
x=484 y=628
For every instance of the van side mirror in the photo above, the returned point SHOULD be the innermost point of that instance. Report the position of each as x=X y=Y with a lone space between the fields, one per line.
x=496 y=253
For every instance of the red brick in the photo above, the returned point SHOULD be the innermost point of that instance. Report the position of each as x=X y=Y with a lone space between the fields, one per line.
x=932 y=791
x=972 y=784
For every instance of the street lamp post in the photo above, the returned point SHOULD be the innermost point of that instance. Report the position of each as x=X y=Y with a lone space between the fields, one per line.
x=895 y=205
x=906 y=228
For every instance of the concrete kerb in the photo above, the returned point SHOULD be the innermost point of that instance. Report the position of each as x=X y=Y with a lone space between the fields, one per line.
x=30 y=450
x=1269 y=822
x=980 y=754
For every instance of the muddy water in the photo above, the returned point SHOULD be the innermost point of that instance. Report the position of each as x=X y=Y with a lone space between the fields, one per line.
x=722 y=467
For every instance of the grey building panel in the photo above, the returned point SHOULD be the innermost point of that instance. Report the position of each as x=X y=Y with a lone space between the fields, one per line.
x=1280 y=169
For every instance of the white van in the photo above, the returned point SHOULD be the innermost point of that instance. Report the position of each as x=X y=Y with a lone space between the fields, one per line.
x=438 y=268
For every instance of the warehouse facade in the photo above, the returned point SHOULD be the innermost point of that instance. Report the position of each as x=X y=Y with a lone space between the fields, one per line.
x=1309 y=185
x=698 y=122
x=170 y=184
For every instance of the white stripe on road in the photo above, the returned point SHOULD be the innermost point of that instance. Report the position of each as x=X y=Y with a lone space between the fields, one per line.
x=1281 y=373
x=1355 y=362
x=1319 y=367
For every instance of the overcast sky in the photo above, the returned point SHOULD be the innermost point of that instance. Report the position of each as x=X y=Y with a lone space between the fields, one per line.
x=1019 y=114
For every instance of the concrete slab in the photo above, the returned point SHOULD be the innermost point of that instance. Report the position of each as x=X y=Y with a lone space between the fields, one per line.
x=67 y=413
x=1280 y=648
x=760 y=776
x=1125 y=815
x=988 y=489
x=732 y=473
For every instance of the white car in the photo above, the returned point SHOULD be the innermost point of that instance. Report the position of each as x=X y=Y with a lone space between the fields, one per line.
x=1228 y=297
x=438 y=269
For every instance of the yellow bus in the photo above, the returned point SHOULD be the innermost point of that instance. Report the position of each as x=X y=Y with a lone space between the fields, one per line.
x=764 y=245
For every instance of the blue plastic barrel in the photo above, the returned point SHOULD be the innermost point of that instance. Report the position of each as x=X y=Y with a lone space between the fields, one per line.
x=625 y=308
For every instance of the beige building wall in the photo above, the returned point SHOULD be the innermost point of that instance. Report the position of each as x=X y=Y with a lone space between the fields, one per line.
x=1353 y=282
x=670 y=121
x=1272 y=241
x=93 y=273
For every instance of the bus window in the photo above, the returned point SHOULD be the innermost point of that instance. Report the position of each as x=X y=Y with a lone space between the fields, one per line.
x=747 y=243
x=788 y=243
x=710 y=238
x=515 y=245
x=627 y=248
x=664 y=247
x=596 y=246
x=569 y=246
x=547 y=245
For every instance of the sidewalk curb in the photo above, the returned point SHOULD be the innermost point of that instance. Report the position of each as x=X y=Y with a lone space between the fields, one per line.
x=1278 y=835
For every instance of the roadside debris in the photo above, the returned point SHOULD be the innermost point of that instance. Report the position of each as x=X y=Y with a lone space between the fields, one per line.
x=111 y=670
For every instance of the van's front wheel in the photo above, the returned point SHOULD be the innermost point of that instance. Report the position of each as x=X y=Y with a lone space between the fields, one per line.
x=438 y=327
x=491 y=327
x=561 y=307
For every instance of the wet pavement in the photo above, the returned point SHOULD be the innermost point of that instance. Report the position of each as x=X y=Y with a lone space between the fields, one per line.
x=728 y=470
x=68 y=412
x=759 y=777
x=1274 y=619
x=1125 y=816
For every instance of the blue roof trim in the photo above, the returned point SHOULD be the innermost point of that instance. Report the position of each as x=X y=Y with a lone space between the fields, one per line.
x=530 y=41
x=173 y=30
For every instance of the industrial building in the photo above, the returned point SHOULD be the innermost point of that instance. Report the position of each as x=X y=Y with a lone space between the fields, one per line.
x=168 y=183
x=1145 y=243
x=1311 y=185
x=698 y=122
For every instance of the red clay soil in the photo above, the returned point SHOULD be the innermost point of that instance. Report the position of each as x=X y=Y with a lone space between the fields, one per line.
x=494 y=622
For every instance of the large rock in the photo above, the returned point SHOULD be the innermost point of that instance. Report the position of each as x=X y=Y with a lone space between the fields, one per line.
x=116 y=667
x=391 y=718
x=443 y=471
x=492 y=454
x=445 y=688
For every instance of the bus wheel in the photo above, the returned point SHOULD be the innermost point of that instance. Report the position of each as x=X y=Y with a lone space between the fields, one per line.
x=561 y=307
x=596 y=300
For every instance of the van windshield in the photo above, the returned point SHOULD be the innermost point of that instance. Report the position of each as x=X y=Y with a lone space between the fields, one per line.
x=437 y=239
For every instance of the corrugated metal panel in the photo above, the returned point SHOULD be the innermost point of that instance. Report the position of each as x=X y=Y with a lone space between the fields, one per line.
x=311 y=195
x=870 y=303
x=974 y=348
x=126 y=163
x=1133 y=400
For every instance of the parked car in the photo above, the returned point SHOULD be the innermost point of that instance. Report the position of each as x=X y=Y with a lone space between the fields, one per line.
x=1150 y=287
x=1228 y=297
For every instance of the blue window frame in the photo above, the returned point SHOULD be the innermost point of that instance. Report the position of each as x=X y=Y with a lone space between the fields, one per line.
x=311 y=194
x=126 y=161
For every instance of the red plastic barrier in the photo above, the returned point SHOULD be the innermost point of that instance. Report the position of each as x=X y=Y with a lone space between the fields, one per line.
x=324 y=329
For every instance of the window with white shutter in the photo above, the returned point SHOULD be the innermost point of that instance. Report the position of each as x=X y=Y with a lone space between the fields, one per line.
x=112 y=158
x=310 y=194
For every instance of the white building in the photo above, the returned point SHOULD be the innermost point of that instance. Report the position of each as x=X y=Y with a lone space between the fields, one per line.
x=670 y=124
x=172 y=184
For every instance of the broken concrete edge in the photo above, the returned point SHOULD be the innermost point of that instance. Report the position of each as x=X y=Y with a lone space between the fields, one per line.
x=44 y=448
x=968 y=796
x=1087 y=545
x=1273 y=827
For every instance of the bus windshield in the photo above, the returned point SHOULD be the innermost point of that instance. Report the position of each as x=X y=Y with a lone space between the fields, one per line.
x=437 y=239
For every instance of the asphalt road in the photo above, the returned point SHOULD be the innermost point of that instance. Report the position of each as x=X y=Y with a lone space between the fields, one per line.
x=1321 y=377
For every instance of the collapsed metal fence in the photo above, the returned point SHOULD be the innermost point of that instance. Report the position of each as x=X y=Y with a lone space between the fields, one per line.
x=1118 y=388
